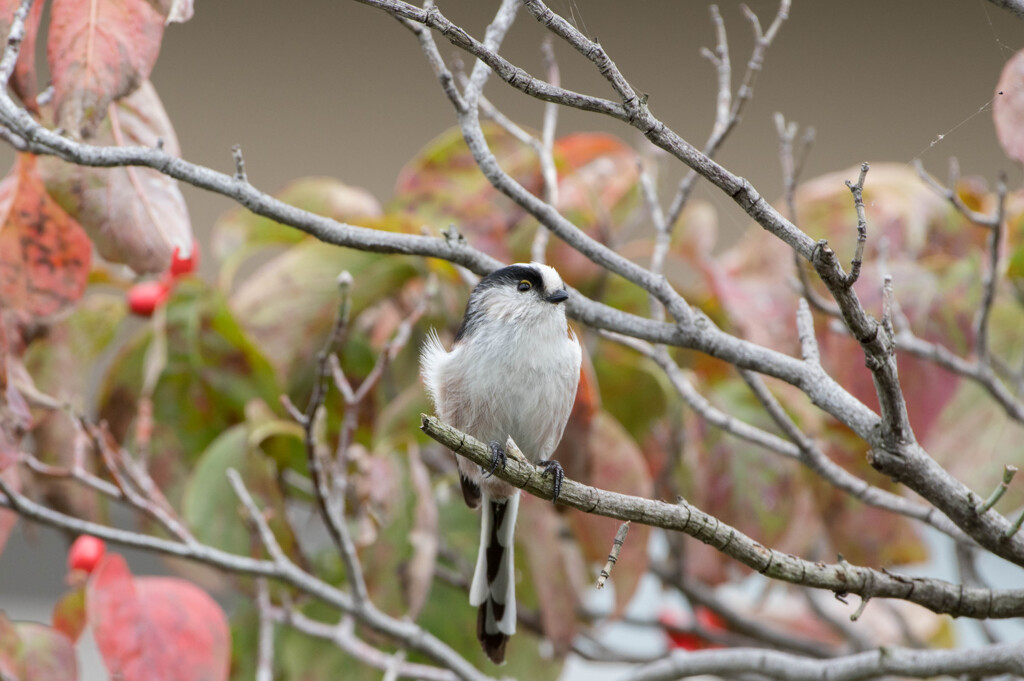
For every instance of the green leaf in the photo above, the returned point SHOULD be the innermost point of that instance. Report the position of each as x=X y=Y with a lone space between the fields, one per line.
x=289 y=304
x=239 y=234
x=213 y=371
x=209 y=505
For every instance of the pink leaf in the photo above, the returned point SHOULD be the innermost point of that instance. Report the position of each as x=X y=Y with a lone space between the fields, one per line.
x=1008 y=108
x=135 y=216
x=156 y=628
x=35 y=652
x=99 y=51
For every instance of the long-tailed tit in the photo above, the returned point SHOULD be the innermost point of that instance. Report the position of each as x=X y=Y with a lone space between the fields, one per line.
x=512 y=372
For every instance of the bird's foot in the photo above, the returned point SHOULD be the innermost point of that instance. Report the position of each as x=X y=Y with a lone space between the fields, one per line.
x=498 y=457
x=554 y=469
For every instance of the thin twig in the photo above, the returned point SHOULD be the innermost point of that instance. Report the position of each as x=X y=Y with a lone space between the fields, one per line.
x=1008 y=472
x=990 y=278
x=613 y=555
x=950 y=194
x=728 y=108
x=862 y=225
x=331 y=506
x=345 y=639
x=265 y=646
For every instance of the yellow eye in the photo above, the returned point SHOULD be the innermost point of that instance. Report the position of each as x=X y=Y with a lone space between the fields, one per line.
x=525 y=285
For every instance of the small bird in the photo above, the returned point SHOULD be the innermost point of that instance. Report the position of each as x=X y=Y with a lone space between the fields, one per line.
x=512 y=372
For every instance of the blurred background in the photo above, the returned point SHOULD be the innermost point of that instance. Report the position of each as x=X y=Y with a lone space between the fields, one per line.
x=338 y=89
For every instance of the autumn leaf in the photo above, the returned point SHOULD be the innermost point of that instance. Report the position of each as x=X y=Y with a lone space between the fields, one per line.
x=443 y=186
x=23 y=80
x=31 y=651
x=44 y=254
x=1008 y=108
x=418 y=572
x=618 y=465
x=98 y=52
x=34 y=652
x=136 y=216
x=156 y=628
x=69 y=613
x=550 y=571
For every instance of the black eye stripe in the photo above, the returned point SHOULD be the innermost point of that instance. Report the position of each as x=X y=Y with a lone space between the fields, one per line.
x=512 y=276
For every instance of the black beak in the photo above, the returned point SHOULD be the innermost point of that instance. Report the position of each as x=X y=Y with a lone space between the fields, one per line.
x=558 y=296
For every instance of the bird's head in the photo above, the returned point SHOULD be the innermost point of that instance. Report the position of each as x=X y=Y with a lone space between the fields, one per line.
x=521 y=294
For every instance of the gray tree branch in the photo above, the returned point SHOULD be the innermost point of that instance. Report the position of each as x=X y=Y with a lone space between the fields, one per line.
x=937 y=595
x=902 y=662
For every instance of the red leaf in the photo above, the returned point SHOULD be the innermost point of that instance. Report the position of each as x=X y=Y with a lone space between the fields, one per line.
x=1008 y=108
x=99 y=51
x=556 y=595
x=443 y=186
x=135 y=216
x=44 y=254
x=34 y=652
x=23 y=81
x=619 y=466
x=156 y=628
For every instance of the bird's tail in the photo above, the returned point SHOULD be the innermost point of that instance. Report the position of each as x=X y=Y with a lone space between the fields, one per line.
x=494 y=587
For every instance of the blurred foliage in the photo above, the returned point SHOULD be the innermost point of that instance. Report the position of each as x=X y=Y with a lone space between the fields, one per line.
x=214 y=362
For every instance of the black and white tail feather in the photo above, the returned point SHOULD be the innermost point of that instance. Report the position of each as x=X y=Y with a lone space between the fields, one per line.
x=494 y=588
x=512 y=371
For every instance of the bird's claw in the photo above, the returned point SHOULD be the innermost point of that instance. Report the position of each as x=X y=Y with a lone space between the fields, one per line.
x=498 y=457
x=554 y=469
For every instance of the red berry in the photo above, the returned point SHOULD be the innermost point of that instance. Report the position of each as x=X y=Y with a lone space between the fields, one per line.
x=709 y=620
x=85 y=553
x=147 y=296
x=674 y=621
x=182 y=266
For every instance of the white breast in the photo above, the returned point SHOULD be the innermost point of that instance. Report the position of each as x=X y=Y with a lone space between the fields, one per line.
x=504 y=382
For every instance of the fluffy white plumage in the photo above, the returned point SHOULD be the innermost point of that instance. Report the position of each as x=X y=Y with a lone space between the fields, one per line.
x=511 y=372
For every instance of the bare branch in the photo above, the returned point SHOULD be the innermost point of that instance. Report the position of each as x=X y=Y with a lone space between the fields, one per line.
x=800 y=447
x=548 y=171
x=265 y=646
x=14 y=38
x=1015 y=6
x=331 y=506
x=343 y=636
x=729 y=109
x=904 y=662
x=809 y=349
x=751 y=627
x=990 y=277
x=934 y=594
x=950 y=194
